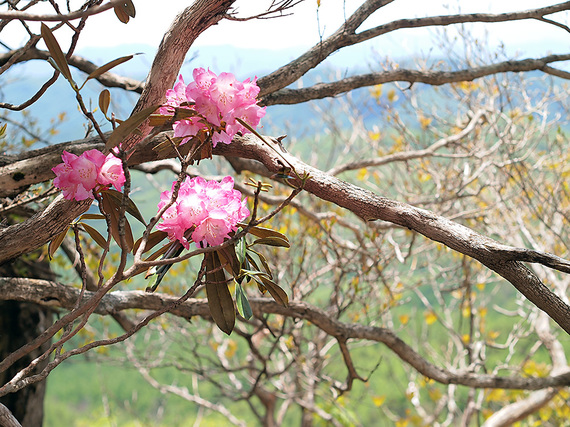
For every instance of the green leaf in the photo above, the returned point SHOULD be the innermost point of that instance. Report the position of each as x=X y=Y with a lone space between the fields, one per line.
x=154 y=239
x=117 y=197
x=3 y=130
x=242 y=303
x=129 y=126
x=95 y=235
x=272 y=241
x=104 y=101
x=219 y=298
x=56 y=53
x=240 y=250
x=56 y=242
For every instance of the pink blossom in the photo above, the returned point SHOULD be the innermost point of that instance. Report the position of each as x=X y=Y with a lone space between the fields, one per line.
x=78 y=176
x=111 y=172
x=217 y=100
x=210 y=209
x=174 y=97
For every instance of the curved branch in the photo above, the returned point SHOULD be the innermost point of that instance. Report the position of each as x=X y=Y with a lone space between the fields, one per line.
x=171 y=53
x=107 y=79
x=57 y=295
x=503 y=259
x=434 y=78
x=346 y=36
x=78 y=14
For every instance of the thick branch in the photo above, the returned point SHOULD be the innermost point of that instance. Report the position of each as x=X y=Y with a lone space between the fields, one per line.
x=346 y=36
x=434 y=78
x=57 y=295
x=24 y=237
x=502 y=259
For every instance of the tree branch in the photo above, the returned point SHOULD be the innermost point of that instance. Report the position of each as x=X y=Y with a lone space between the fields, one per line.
x=433 y=78
x=346 y=36
x=57 y=295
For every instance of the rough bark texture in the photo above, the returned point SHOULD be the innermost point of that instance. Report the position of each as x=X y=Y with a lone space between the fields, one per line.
x=20 y=322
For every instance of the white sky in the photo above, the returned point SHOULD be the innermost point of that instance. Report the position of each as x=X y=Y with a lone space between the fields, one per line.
x=302 y=29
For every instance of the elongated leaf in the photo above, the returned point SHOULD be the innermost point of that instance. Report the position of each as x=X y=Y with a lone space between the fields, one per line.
x=116 y=197
x=278 y=294
x=56 y=242
x=264 y=232
x=263 y=262
x=95 y=235
x=219 y=298
x=56 y=52
x=91 y=216
x=158 y=253
x=174 y=249
x=104 y=101
x=109 y=65
x=112 y=210
x=128 y=126
x=242 y=303
x=228 y=255
x=240 y=251
x=3 y=129
x=154 y=239
x=272 y=241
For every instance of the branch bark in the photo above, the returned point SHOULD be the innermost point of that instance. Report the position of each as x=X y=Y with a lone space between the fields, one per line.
x=433 y=78
x=57 y=295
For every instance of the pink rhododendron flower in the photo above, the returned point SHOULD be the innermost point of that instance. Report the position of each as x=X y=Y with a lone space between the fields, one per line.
x=78 y=176
x=212 y=209
x=111 y=172
x=218 y=100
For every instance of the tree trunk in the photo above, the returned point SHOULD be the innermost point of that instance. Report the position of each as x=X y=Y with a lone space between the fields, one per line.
x=20 y=322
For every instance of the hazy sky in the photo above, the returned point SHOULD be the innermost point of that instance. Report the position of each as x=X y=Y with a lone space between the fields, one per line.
x=305 y=26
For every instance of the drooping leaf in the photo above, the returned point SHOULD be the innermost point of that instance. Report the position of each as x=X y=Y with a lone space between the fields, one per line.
x=3 y=130
x=228 y=256
x=110 y=207
x=242 y=303
x=174 y=249
x=109 y=65
x=56 y=53
x=240 y=251
x=104 y=101
x=278 y=294
x=158 y=253
x=91 y=216
x=272 y=241
x=56 y=242
x=263 y=262
x=154 y=239
x=264 y=232
x=219 y=298
x=95 y=235
x=125 y=10
x=117 y=197
x=128 y=126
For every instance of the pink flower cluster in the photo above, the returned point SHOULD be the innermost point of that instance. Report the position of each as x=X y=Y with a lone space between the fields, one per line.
x=217 y=100
x=78 y=176
x=212 y=208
